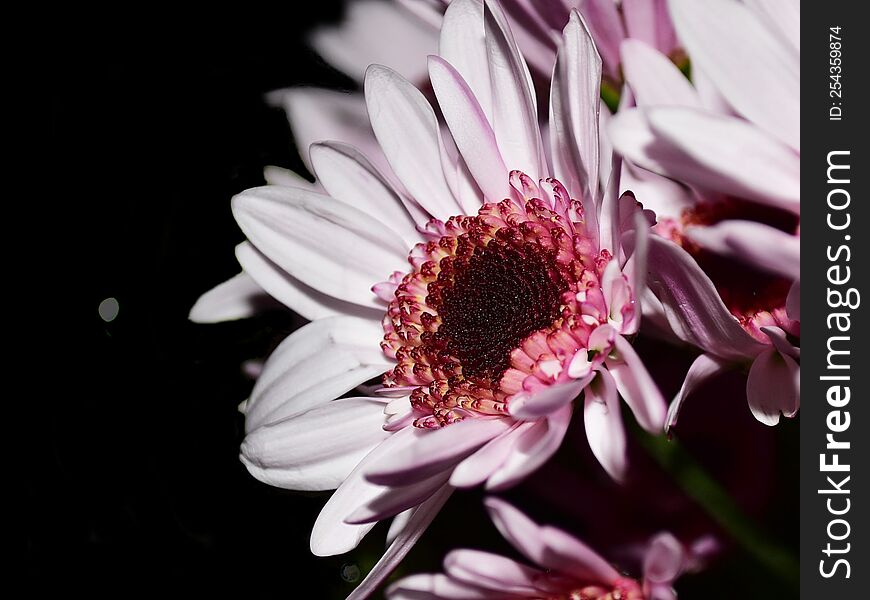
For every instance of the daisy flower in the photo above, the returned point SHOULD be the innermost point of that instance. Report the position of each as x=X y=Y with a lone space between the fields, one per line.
x=520 y=291
x=726 y=262
x=564 y=567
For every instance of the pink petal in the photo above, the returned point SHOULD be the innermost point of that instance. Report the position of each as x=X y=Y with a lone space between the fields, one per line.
x=359 y=40
x=779 y=339
x=420 y=519
x=547 y=546
x=332 y=247
x=393 y=500
x=332 y=534
x=470 y=130
x=515 y=113
x=237 y=298
x=566 y=554
x=604 y=429
x=754 y=243
x=491 y=571
x=709 y=151
x=755 y=71
x=318 y=449
x=436 y=587
x=463 y=45
x=692 y=305
x=574 y=109
x=773 y=386
x=530 y=406
x=654 y=79
x=349 y=177
x=605 y=24
x=407 y=130
x=294 y=294
x=664 y=559
x=315 y=364
x=533 y=448
x=522 y=533
x=637 y=387
x=703 y=368
x=475 y=469
x=436 y=451
x=649 y=22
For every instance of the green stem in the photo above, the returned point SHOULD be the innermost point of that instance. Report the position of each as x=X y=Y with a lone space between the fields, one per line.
x=712 y=497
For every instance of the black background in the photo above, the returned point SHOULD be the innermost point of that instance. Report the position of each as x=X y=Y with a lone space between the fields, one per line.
x=133 y=486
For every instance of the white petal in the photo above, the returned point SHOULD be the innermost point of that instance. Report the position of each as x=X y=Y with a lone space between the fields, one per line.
x=320 y=114
x=533 y=448
x=654 y=79
x=314 y=365
x=515 y=113
x=782 y=16
x=703 y=368
x=710 y=152
x=604 y=429
x=436 y=451
x=530 y=406
x=418 y=521
x=463 y=45
x=377 y=32
x=281 y=176
x=770 y=172
x=773 y=386
x=294 y=294
x=349 y=177
x=470 y=130
x=407 y=131
x=755 y=71
x=574 y=112
x=424 y=586
x=331 y=534
x=237 y=298
x=317 y=449
x=637 y=387
x=475 y=469
x=328 y=245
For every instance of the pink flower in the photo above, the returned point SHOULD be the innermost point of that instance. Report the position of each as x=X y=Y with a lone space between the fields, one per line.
x=565 y=568
x=733 y=141
x=517 y=296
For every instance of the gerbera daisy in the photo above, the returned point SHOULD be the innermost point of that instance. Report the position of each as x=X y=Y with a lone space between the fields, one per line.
x=726 y=263
x=520 y=291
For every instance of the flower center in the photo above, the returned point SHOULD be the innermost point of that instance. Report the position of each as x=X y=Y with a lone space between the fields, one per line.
x=756 y=298
x=491 y=299
x=509 y=294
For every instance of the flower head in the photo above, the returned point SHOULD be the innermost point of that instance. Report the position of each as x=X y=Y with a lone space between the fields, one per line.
x=523 y=291
x=564 y=568
x=726 y=263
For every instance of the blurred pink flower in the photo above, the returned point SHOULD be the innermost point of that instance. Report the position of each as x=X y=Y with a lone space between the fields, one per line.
x=519 y=296
x=733 y=143
x=564 y=568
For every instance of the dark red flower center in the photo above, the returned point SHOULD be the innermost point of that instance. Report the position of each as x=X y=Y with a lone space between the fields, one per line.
x=491 y=299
